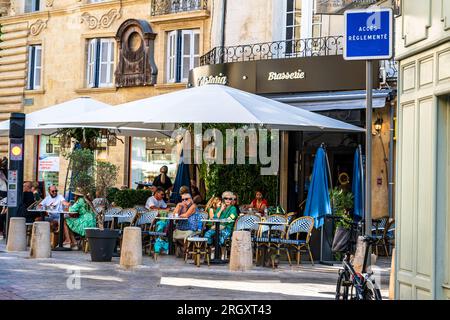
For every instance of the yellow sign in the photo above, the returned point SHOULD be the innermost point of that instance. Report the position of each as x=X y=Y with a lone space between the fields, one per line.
x=16 y=151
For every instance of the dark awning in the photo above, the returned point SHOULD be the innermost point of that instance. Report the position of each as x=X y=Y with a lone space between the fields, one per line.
x=342 y=100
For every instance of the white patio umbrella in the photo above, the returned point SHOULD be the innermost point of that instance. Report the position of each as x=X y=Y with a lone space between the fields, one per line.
x=65 y=112
x=206 y=104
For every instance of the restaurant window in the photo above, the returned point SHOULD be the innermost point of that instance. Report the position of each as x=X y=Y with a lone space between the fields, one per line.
x=148 y=155
x=48 y=160
x=100 y=63
x=183 y=54
x=301 y=23
x=34 y=67
x=31 y=6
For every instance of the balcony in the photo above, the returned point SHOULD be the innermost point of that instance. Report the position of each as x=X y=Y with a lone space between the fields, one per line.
x=163 y=7
x=324 y=46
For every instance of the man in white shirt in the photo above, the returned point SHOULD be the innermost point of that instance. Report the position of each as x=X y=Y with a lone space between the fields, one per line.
x=53 y=202
x=156 y=201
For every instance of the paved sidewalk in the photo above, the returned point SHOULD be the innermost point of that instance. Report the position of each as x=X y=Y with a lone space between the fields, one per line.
x=71 y=275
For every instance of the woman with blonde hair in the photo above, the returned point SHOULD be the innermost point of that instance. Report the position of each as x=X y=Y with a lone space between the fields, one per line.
x=226 y=211
x=212 y=207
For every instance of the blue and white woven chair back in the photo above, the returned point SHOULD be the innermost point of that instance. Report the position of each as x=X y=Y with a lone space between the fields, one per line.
x=301 y=225
x=113 y=211
x=126 y=215
x=141 y=209
x=204 y=215
x=248 y=222
x=147 y=218
x=275 y=218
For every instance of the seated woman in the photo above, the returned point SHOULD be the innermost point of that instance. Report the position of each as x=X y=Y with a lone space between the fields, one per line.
x=185 y=228
x=213 y=207
x=85 y=219
x=196 y=196
x=259 y=203
x=226 y=211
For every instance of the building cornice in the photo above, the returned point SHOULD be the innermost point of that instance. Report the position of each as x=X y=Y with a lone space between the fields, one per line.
x=67 y=11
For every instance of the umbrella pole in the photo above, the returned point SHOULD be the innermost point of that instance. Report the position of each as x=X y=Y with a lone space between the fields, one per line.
x=328 y=263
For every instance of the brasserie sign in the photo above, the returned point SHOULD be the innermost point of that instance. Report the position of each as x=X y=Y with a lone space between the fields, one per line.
x=305 y=74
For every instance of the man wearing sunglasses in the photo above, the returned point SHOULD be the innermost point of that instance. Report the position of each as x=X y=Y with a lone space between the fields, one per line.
x=53 y=202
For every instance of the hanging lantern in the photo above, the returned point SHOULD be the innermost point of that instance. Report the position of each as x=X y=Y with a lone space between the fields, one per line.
x=112 y=141
x=49 y=147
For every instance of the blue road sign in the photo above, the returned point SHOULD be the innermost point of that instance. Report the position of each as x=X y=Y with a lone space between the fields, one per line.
x=368 y=34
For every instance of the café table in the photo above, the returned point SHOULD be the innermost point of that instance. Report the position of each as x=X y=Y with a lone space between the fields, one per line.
x=62 y=216
x=172 y=220
x=217 y=223
x=270 y=225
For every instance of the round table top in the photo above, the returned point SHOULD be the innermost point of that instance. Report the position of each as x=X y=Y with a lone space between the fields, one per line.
x=272 y=223
x=171 y=218
x=216 y=220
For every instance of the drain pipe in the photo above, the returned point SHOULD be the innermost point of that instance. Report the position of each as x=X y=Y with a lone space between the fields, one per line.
x=222 y=39
x=391 y=160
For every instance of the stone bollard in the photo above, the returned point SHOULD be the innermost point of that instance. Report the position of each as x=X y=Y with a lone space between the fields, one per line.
x=17 y=235
x=241 y=258
x=131 y=251
x=392 y=277
x=40 y=240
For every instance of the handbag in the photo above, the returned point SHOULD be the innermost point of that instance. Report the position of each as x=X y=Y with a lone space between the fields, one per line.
x=341 y=240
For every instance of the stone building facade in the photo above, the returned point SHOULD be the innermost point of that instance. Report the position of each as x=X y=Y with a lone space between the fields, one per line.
x=54 y=51
x=422 y=200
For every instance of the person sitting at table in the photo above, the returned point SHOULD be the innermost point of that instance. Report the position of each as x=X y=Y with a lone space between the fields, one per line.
x=227 y=211
x=235 y=203
x=258 y=204
x=213 y=207
x=28 y=200
x=196 y=196
x=81 y=217
x=53 y=202
x=185 y=228
x=156 y=201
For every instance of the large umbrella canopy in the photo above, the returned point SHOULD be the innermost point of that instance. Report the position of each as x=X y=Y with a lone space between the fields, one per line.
x=207 y=104
x=66 y=111
x=358 y=185
x=182 y=179
x=318 y=201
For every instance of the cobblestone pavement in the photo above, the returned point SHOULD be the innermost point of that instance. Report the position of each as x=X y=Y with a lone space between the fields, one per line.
x=71 y=275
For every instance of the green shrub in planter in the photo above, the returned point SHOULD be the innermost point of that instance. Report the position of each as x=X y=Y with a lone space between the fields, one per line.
x=129 y=198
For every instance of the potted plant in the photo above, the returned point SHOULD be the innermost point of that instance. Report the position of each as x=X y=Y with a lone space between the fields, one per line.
x=342 y=204
x=89 y=176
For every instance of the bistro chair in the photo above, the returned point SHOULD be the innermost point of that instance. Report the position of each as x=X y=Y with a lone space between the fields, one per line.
x=145 y=222
x=109 y=215
x=196 y=245
x=379 y=225
x=291 y=216
x=277 y=233
x=386 y=239
x=299 y=226
x=126 y=217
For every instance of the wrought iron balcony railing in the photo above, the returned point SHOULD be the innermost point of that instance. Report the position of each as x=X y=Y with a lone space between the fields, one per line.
x=161 y=7
x=324 y=46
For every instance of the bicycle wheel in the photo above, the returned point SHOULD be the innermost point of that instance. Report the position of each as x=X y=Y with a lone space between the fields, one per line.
x=370 y=292
x=342 y=286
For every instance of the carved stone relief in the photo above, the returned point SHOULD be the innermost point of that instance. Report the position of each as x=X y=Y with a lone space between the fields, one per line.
x=136 y=67
x=105 y=21
x=37 y=26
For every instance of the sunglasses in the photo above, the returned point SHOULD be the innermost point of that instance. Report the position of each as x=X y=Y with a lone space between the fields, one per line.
x=186 y=199
x=54 y=191
x=228 y=199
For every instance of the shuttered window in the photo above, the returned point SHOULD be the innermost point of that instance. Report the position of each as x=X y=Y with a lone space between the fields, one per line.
x=31 y=6
x=100 y=63
x=183 y=54
x=34 y=67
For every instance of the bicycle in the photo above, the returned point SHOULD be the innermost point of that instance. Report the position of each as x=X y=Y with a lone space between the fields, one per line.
x=352 y=285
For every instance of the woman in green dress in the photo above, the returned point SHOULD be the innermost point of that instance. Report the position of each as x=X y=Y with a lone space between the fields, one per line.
x=85 y=219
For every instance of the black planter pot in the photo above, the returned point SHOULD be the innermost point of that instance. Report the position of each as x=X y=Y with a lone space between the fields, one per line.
x=102 y=243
